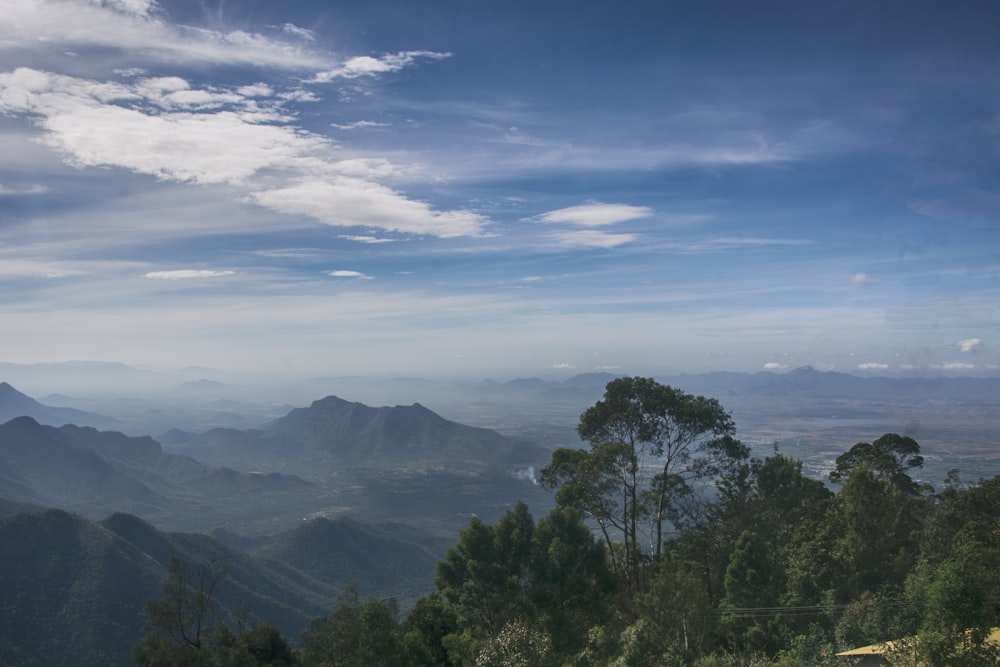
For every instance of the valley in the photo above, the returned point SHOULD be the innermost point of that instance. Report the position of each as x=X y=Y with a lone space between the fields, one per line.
x=365 y=486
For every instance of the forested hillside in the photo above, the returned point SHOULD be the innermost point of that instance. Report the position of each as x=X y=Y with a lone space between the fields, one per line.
x=669 y=545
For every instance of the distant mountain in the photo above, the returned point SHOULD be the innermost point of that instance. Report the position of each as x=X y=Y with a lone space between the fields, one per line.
x=333 y=434
x=405 y=464
x=203 y=387
x=74 y=591
x=47 y=466
x=96 y=472
x=15 y=404
x=356 y=433
x=807 y=381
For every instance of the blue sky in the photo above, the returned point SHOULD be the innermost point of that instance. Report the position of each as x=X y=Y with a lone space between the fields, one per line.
x=508 y=188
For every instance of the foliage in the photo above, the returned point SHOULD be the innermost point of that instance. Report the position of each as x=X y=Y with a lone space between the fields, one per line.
x=889 y=458
x=356 y=632
x=518 y=644
x=635 y=566
x=185 y=633
x=649 y=443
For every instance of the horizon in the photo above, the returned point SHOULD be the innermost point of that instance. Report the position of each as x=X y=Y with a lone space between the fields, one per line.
x=92 y=378
x=300 y=190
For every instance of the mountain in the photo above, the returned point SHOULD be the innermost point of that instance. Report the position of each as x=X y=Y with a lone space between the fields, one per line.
x=356 y=433
x=74 y=590
x=44 y=465
x=15 y=404
x=96 y=472
x=333 y=434
x=404 y=464
x=342 y=551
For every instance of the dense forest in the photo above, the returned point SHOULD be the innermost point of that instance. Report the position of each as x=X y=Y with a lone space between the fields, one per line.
x=669 y=545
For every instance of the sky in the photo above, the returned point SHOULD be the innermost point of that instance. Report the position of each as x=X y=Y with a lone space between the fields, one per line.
x=473 y=187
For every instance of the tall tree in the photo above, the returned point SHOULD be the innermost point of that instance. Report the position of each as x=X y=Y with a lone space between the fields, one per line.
x=185 y=633
x=889 y=458
x=571 y=587
x=649 y=443
x=356 y=632
x=485 y=575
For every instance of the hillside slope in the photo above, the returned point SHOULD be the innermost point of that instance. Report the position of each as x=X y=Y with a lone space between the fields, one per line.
x=75 y=590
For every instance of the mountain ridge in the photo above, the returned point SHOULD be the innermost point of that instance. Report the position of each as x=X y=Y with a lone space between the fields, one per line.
x=14 y=403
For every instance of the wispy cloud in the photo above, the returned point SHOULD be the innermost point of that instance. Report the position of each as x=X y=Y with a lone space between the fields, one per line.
x=969 y=344
x=358 y=125
x=345 y=273
x=110 y=124
x=301 y=33
x=366 y=239
x=860 y=279
x=14 y=191
x=596 y=214
x=591 y=238
x=136 y=127
x=186 y=274
x=872 y=366
x=136 y=26
x=352 y=202
x=362 y=66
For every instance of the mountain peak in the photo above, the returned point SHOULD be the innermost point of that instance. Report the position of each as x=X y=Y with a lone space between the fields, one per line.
x=356 y=432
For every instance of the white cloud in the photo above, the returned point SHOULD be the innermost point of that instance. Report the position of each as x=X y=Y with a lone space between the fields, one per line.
x=134 y=126
x=720 y=244
x=774 y=366
x=186 y=274
x=86 y=121
x=343 y=273
x=136 y=7
x=872 y=366
x=366 y=239
x=592 y=238
x=13 y=191
x=969 y=344
x=360 y=66
x=12 y=267
x=596 y=214
x=256 y=90
x=958 y=366
x=859 y=279
x=302 y=33
x=353 y=202
x=136 y=26
x=357 y=125
x=563 y=366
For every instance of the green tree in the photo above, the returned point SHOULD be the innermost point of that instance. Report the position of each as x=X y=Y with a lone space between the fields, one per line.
x=485 y=575
x=183 y=619
x=185 y=633
x=571 y=587
x=751 y=581
x=424 y=630
x=678 y=608
x=187 y=610
x=956 y=584
x=518 y=644
x=889 y=458
x=356 y=632
x=649 y=443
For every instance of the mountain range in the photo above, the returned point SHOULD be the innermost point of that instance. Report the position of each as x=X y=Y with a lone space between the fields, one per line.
x=95 y=473
x=333 y=434
x=75 y=590
x=15 y=404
